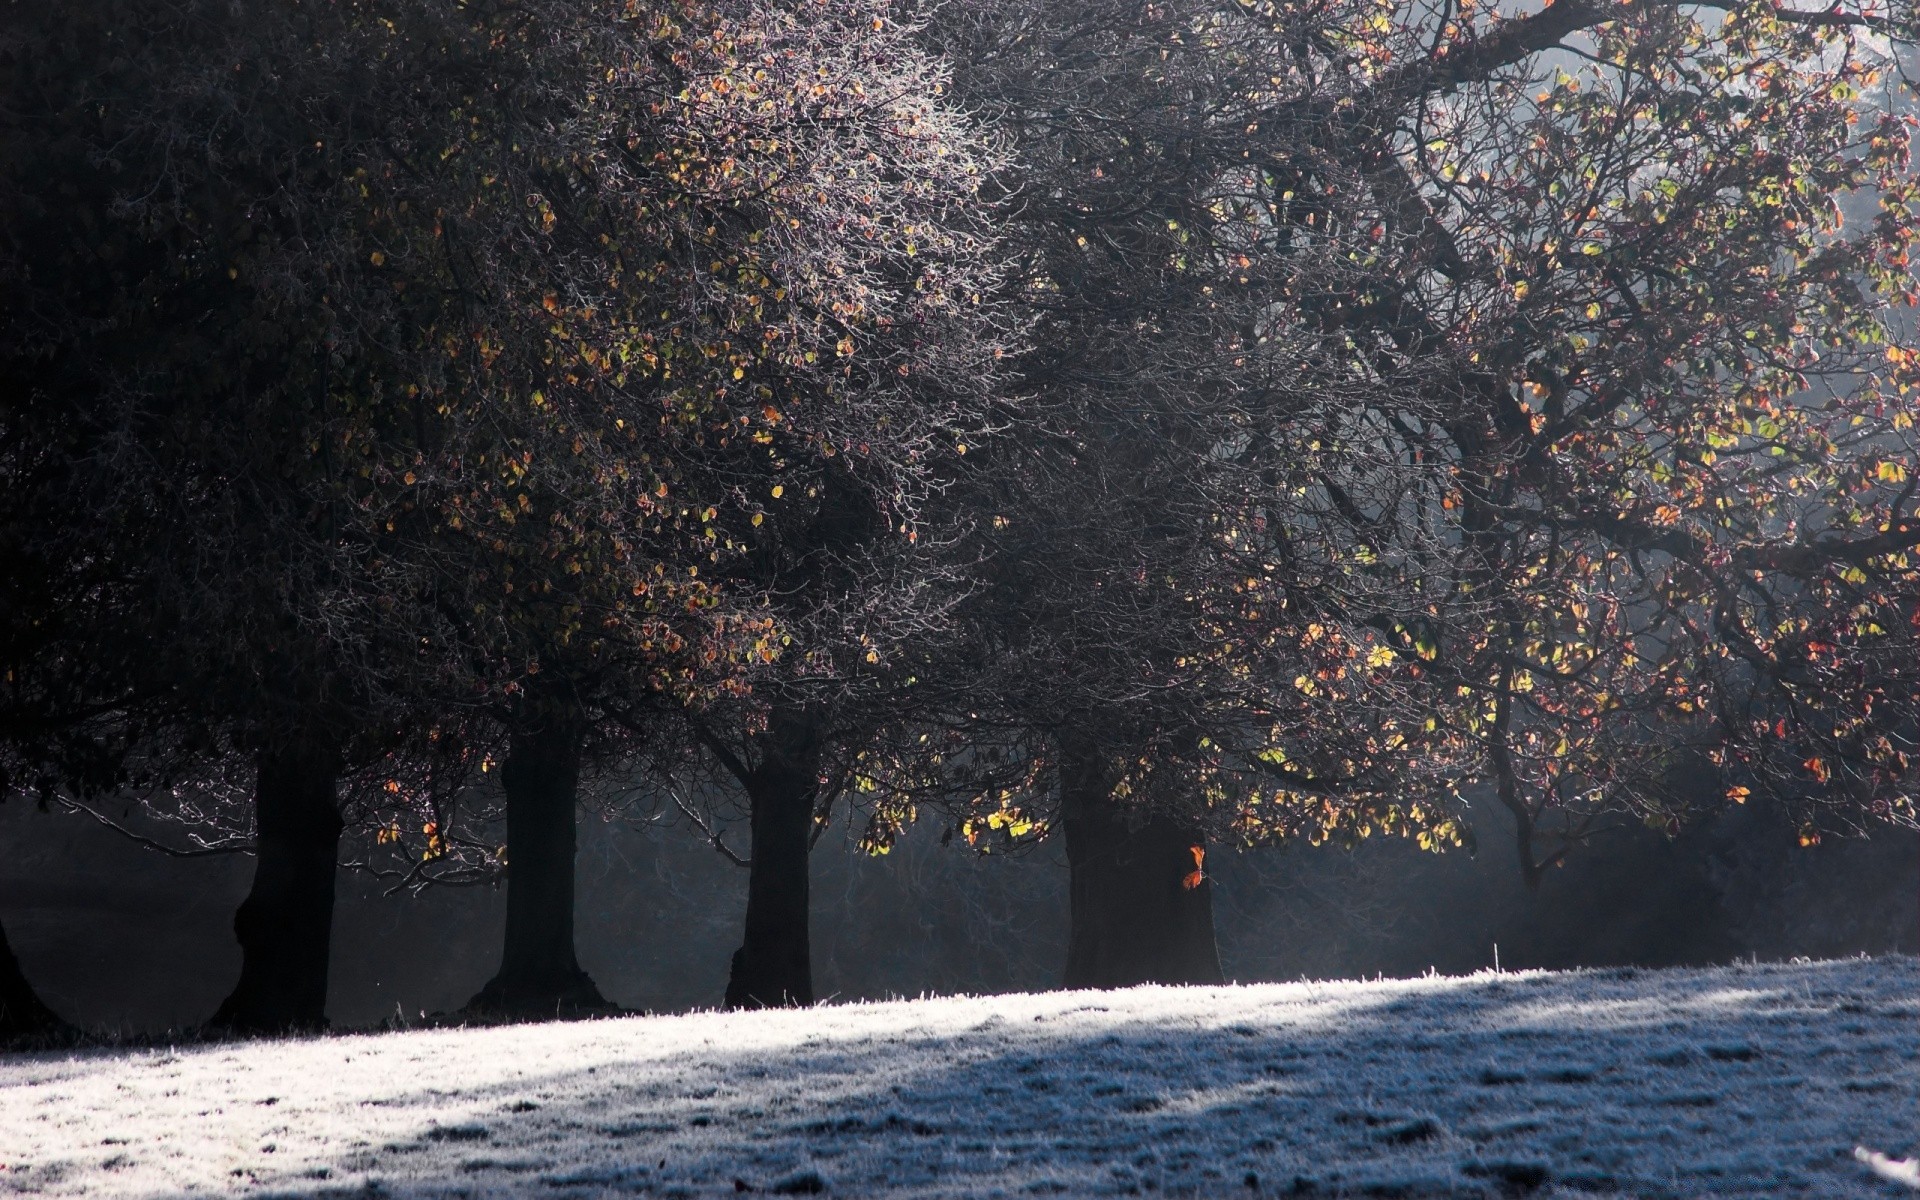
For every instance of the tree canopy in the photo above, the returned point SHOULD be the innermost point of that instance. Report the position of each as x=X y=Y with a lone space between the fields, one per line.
x=1190 y=422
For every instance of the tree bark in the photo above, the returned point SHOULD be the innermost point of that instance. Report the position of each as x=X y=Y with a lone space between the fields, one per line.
x=285 y=925
x=539 y=974
x=773 y=967
x=22 y=1014
x=1141 y=909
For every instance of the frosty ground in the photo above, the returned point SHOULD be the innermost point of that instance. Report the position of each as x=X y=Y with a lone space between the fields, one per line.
x=1734 y=1081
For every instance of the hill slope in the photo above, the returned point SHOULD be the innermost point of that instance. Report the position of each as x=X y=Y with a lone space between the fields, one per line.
x=1744 y=1080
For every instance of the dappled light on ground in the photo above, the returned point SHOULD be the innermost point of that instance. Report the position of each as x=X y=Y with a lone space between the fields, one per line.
x=1747 y=1080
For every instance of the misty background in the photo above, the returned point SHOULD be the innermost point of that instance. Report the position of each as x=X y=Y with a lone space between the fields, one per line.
x=126 y=940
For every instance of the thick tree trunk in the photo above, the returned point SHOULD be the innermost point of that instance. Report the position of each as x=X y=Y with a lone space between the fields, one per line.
x=22 y=1015
x=539 y=974
x=285 y=925
x=773 y=966
x=1141 y=910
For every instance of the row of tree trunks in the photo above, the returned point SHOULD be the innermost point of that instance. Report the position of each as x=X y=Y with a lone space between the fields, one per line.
x=1141 y=903
x=285 y=925
x=774 y=965
x=1141 y=906
x=539 y=973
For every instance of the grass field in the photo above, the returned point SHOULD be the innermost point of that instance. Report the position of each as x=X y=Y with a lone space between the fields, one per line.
x=1734 y=1081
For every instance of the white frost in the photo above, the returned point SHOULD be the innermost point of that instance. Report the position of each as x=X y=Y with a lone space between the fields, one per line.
x=1900 y=1170
x=1734 y=1081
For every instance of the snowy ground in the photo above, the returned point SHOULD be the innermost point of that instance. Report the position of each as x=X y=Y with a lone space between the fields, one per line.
x=1738 y=1081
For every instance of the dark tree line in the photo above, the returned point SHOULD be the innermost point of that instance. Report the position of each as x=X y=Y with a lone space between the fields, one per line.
x=1159 y=426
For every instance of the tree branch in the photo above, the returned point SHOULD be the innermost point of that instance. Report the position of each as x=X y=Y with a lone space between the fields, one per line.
x=1514 y=40
x=713 y=837
x=151 y=844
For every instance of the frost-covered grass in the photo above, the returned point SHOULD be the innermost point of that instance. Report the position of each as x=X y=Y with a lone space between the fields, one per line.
x=1735 y=1081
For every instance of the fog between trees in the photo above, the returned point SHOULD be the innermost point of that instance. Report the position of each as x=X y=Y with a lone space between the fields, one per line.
x=123 y=939
x=1129 y=433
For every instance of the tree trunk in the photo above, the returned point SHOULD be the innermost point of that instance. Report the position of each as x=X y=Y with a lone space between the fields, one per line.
x=285 y=925
x=773 y=966
x=22 y=1015
x=539 y=974
x=1141 y=910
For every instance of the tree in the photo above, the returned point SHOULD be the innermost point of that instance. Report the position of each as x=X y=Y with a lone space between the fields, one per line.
x=862 y=589
x=49 y=702
x=846 y=542
x=1667 y=453
x=1297 y=270
x=166 y=330
x=22 y=1013
x=1143 y=633
x=818 y=372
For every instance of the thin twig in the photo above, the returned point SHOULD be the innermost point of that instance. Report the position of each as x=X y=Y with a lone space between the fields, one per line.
x=151 y=844
x=713 y=838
